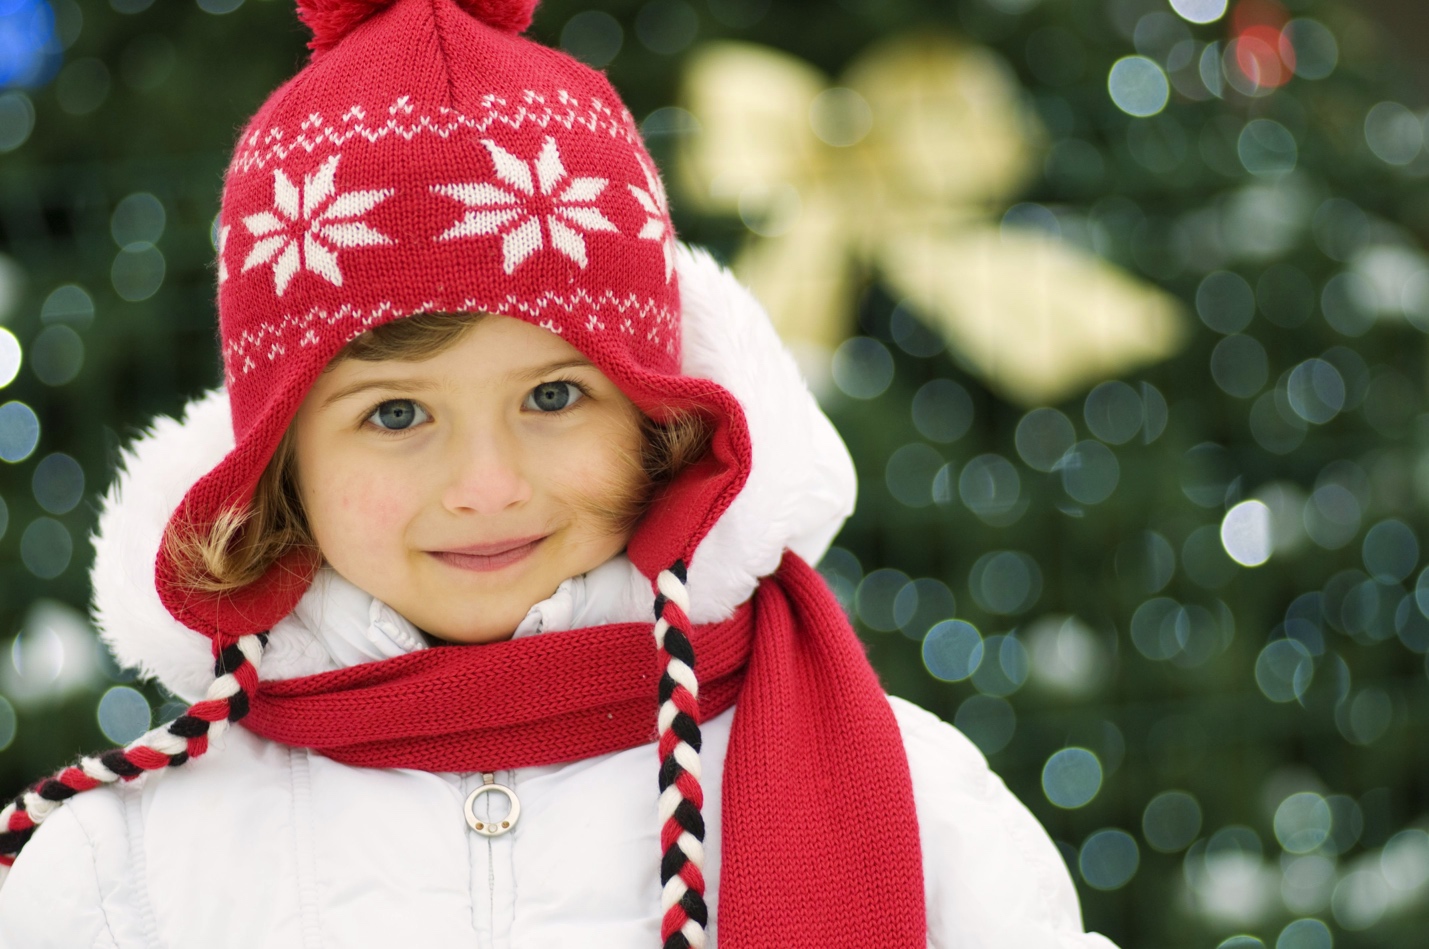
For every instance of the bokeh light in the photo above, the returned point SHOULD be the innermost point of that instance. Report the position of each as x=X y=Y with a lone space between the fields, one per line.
x=1138 y=86
x=1071 y=778
x=594 y=37
x=1200 y=11
x=70 y=304
x=1171 y=821
x=19 y=431
x=991 y=488
x=137 y=218
x=1245 y=533
x=219 y=7
x=912 y=334
x=863 y=368
x=1284 y=670
x=1240 y=366
x=1090 y=472
x=1004 y=668
x=1404 y=860
x=1267 y=148
x=1042 y=438
x=667 y=27
x=910 y=472
x=876 y=596
x=1305 y=934
x=27 y=42
x=123 y=714
x=1067 y=655
x=1225 y=302
x=1316 y=50
x=1113 y=412
x=1109 y=859
x=82 y=86
x=1390 y=551
x=942 y=411
x=1393 y=133
x=953 y=650
x=8 y=723
x=17 y=120
x=1316 y=391
x=9 y=357
x=1005 y=581
x=46 y=548
x=58 y=483
x=1360 y=899
x=57 y=355
x=921 y=605
x=1302 y=822
x=138 y=271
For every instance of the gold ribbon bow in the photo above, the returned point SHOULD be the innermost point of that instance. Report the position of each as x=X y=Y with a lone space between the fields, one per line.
x=902 y=172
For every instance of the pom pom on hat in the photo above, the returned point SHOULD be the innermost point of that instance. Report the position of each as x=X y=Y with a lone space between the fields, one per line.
x=331 y=20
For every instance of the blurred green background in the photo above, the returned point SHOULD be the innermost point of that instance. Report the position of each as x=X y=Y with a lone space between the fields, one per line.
x=1180 y=606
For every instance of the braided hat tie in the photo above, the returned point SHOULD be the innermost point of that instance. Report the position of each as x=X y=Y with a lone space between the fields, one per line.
x=187 y=737
x=682 y=825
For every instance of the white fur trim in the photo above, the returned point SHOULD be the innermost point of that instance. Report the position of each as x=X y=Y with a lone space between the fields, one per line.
x=802 y=485
x=155 y=472
x=800 y=490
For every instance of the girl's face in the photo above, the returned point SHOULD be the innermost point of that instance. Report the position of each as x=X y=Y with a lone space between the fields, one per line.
x=461 y=489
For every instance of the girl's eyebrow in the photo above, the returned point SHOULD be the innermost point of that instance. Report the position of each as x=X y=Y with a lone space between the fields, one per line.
x=539 y=371
x=411 y=385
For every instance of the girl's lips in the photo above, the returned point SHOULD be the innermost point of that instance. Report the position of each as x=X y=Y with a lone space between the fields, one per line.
x=487 y=562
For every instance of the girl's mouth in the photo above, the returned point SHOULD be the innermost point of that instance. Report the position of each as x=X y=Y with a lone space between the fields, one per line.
x=485 y=562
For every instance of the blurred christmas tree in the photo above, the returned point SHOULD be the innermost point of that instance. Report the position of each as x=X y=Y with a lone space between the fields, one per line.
x=1119 y=304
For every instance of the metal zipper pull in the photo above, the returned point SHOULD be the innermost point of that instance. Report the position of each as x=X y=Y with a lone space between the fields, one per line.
x=492 y=828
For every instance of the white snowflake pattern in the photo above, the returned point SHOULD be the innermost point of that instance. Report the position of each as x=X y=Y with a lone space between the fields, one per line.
x=657 y=206
x=517 y=214
x=307 y=219
x=222 y=246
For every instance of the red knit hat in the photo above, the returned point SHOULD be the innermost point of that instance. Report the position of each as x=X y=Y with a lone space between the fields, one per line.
x=429 y=159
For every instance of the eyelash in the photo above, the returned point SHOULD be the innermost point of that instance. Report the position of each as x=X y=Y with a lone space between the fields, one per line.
x=393 y=432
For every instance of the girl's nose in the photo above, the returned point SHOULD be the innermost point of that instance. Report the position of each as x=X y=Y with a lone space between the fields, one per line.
x=487 y=474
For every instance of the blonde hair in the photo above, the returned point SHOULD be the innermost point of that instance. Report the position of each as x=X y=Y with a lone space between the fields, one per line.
x=243 y=543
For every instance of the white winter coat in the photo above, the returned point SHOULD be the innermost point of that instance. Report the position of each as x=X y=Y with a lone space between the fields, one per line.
x=261 y=845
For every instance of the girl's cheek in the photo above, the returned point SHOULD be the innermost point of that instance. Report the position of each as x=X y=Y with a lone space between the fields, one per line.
x=367 y=503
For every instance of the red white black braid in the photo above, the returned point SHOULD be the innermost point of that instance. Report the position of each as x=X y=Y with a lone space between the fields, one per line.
x=682 y=830
x=235 y=672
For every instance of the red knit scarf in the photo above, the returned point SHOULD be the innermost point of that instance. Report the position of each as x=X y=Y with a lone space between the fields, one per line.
x=820 y=840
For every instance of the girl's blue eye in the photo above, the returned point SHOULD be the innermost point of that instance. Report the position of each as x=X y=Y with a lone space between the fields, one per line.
x=554 y=396
x=397 y=415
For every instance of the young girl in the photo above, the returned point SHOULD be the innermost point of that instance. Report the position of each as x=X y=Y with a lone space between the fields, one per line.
x=502 y=566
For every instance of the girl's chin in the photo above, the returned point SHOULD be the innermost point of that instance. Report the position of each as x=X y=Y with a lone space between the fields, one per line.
x=442 y=635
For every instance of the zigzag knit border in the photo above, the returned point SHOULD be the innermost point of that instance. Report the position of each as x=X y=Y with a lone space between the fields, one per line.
x=235 y=672
x=682 y=831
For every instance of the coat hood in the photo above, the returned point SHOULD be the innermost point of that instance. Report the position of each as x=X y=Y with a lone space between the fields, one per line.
x=800 y=489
